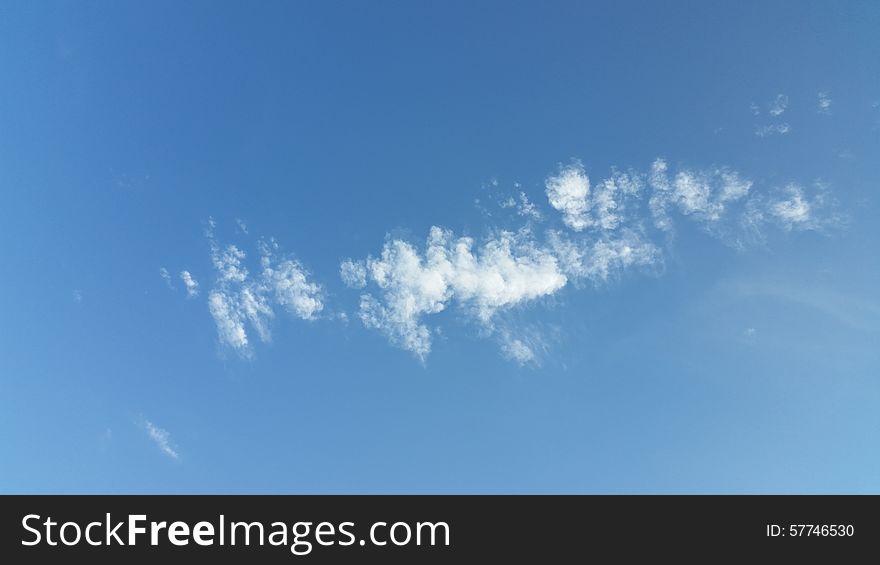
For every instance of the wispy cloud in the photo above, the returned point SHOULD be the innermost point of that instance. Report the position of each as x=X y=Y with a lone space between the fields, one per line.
x=824 y=104
x=795 y=209
x=191 y=284
x=622 y=223
x=527 y=208
x=568 y=192
x=353 y=273
x=778 y=105
x=607 y=230
x=161 y=438
x=772 y=129
x=506 y=270
x=583 y=206
x=524 y=207
x=239 y=300
x=703 y=194
x=517 y=350
x=166 y=276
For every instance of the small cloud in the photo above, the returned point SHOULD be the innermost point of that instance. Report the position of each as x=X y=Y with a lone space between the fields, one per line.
x=353 y=273
x=161 y=438
x=755 y=109
x=77 y=295
x=567 y=192
x=778 y=106
x=191 y=284
x=517 y=350
x=824 y=105
x=509 y=203
x=772 y=129
x=527 y=208
x=794 y=210
x=846 y=155
x=239 y=298
x=242 y=226
x=704 y=194
x=166 y=276
x=750 y=333
x=506 y=270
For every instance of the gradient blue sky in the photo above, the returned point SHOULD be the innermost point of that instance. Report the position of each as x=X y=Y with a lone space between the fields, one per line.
x=739 y=354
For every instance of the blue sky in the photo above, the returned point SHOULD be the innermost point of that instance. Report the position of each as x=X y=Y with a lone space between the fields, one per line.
x=477 y=247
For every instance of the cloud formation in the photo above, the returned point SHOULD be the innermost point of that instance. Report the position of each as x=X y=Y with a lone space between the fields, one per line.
x=702 y=194
x=568 y=192
x=161 y=438
x=778 y=105
x=353 y=274
x=239 y=301
x=772 y=129
x=517 y=350
x=166 y=276
x=191 y=284
x=824 y=104
x=622 y=223
x=608 y=228
x=582 y=206
x=793 y=208
x=506 y=270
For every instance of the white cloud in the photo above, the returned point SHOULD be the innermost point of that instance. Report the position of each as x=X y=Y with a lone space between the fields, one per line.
x=599 y=261
x=407 y=284
x=294 y=291
x=793 y=211
x=703 y=194
x=527 y=209
x=614 y=228
x=519 y=202
x=778 y=105
x=824 y=103
x=507 y=270
x=289 y=281
x=755 y=109
x=772 y=129
x=228 y=263
x=792 y=208
x=567 y=192
x=353 y=273
x=509 y=203
x=517 y=350
x=602 y=208
x=241 y=226
x=191 y=284
x=229 y=319
x=166 y=276
x=239 y=300
x=161 y=438
x=609 y=199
